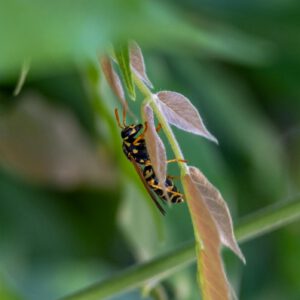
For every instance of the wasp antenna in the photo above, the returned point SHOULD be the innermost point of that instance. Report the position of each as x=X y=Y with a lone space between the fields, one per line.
x=146 y=127
x=117 y=118
x=124 y=114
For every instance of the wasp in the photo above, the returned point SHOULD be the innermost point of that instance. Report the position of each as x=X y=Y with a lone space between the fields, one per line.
x=134 y=147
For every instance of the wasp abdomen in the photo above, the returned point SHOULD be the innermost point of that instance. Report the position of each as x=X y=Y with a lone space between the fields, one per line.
x=173 y=195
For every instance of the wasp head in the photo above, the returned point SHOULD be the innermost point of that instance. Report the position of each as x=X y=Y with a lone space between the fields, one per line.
x=130 y=131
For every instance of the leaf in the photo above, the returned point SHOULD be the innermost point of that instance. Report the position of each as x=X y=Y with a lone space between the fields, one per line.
x=122 y=56
x=45 y=144
x=213 y=281
x=113 y=79
x=155 y=146
x=78 y=31
x=137 y=63
x=218 y=210
x=180 y=112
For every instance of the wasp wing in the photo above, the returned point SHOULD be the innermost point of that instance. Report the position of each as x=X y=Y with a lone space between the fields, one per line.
x=151 y=193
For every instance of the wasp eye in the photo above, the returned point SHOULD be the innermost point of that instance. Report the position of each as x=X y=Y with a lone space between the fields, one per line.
x=127 y=131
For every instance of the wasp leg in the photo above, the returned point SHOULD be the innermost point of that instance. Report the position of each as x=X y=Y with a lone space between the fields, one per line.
x=173 y=177
x=176 y=160
x=174 y=193
x=118 y=118
x=158 y=128
x=145 y=129
x=143 y=133
x=167 y=190
x=137 y=139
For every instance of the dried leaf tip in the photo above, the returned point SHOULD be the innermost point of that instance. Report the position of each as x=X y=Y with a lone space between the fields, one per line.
x=218 y=209
x=138 y=64
x=113 y=79
x=180 y=112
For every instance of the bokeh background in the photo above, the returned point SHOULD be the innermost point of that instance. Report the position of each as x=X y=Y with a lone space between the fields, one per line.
x=72 y=209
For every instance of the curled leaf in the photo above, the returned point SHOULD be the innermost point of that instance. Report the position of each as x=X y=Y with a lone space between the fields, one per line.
x=180 y=112
x=213 y=281
x=122 y=56
x=113 y=79
x=218 y=210
x=155 y=146
x=137 y=63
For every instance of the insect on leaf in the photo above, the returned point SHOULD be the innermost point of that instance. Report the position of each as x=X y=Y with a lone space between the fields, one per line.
x=122 y=56
x=155 y=146
x=180 y=112
x=113 y=79
x=137 y=63
x=218 y=210
x=213 y=281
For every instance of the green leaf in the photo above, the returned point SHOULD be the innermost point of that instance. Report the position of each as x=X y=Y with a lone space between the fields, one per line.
x=55 y=34
x=122 y=56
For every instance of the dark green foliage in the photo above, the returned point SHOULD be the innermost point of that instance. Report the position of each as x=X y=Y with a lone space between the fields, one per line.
x=239 y=64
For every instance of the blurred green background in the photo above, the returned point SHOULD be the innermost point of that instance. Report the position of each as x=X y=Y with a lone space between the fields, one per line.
x=72 y=210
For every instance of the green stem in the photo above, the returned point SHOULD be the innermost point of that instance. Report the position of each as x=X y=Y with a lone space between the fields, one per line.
x=267 y=219
x=260 y=223
x=152 y=99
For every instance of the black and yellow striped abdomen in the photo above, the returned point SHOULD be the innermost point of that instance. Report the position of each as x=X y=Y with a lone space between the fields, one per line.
x=173 y=195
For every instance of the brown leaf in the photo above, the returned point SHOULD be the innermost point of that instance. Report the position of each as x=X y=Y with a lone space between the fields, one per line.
x=180 y=112
x=155 y=147
x=113 y=79
x=213 y=280
x=218 y=209
x=137 y=63
x=45 y=144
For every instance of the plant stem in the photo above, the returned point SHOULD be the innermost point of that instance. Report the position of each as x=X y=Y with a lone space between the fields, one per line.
x=266 y=220
x=152 y=99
